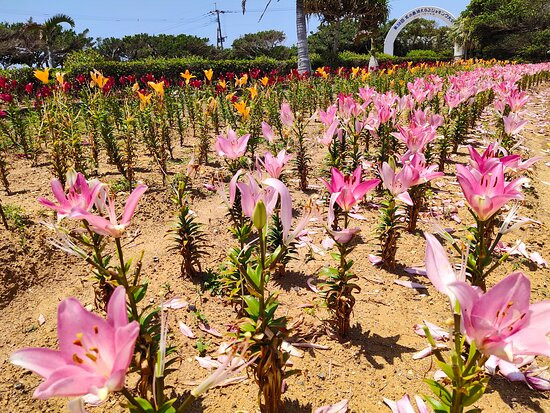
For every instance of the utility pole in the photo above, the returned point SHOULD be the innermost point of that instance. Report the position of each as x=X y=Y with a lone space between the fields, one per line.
x=219 y=37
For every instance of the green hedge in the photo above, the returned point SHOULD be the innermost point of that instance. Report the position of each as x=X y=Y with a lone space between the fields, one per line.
x=171 y=68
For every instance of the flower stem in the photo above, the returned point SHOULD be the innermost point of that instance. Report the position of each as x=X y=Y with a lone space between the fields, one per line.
x=124 y=281
x=186 y=403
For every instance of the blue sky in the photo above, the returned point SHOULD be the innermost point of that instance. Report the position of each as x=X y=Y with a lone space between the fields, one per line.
x=122 y=17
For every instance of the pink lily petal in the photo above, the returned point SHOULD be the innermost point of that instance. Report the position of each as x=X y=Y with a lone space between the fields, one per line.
x=207 y=329
x=340 y=407
x=185 y=330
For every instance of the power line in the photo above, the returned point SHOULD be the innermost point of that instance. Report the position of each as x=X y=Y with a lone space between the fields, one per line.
x=219 y=37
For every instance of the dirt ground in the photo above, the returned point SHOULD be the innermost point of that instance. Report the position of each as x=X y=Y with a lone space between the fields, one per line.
x=375 y=361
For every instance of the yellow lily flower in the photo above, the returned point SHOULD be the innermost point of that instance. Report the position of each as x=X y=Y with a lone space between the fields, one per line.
x=158 y=88
x=242 y=109
x=354 y=72
x=253 y=92
x=208 y=73
x=144 y=99
x=59 y=76
x=135 y=87
x=222 y=83
x=42 y=75
x=230 y=95
x=187 y=76
x=264 y=80
x=98 y=79
x=242 y=80
x=321 y=71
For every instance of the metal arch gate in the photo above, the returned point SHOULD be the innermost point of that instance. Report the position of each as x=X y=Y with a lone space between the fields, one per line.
x=426 y=11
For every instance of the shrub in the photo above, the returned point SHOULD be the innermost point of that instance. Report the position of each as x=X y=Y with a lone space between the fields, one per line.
x=422 y=54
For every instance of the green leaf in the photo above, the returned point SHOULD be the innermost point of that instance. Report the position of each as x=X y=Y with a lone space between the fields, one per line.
x=440 y=391
x=139 y=292
x=474 y=394
x=253 y=306
x=144 y=404
x=447 y=369
x=167 y=407
x=437 y=405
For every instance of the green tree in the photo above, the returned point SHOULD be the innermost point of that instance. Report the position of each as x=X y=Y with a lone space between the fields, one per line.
x=324 y=39
x=143 y=45
x=264 y=43
x=509 y=29
x=49 y=32
x=37 y=44
x=421 y=34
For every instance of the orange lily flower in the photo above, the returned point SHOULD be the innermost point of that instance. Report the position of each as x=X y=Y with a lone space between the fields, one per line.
x=208 y=73
x=42 y=75
x=321 y=71
x=59 y=76
x=158 y=88
x=264 y=80
x=98 y=79
x=253 y=92
x=144 y=99
x=242 y=109
x=187 y=76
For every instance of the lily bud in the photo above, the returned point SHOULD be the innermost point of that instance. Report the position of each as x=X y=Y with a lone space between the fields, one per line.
x=259 y=217
x=391 y=162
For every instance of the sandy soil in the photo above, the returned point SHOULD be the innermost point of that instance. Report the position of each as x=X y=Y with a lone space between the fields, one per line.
x=374 y=362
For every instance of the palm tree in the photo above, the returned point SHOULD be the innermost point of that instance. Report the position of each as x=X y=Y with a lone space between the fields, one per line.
x=304 y=64
x=48 y=32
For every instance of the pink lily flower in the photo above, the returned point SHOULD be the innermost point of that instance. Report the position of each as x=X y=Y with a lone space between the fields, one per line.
x=415 y=137
x=275 y=165
x=417 y=90
x=287 y=117
x=111 y=227
x=251 y=193
x=516 y=100
x=399 y=183
x=501 y=322
x=267 y=131
x=404 y=405
x=367 y=93
x=329 y=133
x=485 y=162
x=438 y=268
x=452 y=99
x=327 y=117
x=515 y=164
x=423 y=118
x=344 y=236
x=487 y=193
x=81 y=196
x=513 y=124
x=349 y=188
x=94 y=354
x=231 y=146
x=418 y=163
